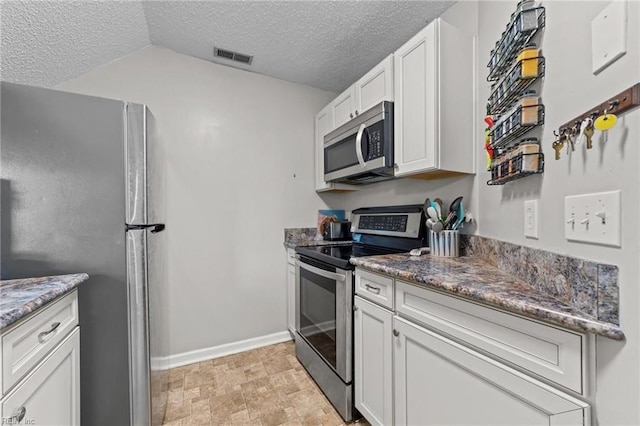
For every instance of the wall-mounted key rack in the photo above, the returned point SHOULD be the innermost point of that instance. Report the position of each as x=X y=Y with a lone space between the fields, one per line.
x=623 y=101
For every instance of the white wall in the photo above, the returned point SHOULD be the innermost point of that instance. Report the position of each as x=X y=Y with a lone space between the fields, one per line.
x=570 y=89
x=239 y=169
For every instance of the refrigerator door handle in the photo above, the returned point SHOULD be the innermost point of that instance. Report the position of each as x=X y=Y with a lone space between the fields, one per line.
x=155 y=227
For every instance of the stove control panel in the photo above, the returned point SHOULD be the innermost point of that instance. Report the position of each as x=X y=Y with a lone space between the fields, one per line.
x=401 y=221
x=393 y=223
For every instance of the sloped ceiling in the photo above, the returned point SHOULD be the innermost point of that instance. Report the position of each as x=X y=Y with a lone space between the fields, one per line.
x=45 y=43
x=324 y=44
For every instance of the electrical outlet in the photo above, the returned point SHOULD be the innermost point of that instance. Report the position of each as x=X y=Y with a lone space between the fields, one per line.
x=531 y=219
x=593 y=218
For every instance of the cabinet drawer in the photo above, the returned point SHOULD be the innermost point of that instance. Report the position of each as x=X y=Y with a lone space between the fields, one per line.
x=549 y=352
x=374 y=287
x=26 y=345
x=50 y=395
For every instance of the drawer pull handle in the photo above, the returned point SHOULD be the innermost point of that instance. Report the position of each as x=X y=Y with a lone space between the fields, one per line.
x=19 y=414
x=42 y=337
x=373 y=289
x=396 y=333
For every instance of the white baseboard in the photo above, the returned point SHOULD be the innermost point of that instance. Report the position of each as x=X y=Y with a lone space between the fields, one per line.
x=205 y=354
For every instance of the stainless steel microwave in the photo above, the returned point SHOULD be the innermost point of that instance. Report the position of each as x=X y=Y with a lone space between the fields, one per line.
x=361 y=151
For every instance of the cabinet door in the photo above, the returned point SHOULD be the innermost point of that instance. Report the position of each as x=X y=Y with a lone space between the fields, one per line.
x=440 y=382
x=375 y=86
x=291 y=298
x=51 y=394
x=324 y=124
x=373 y=362
x=343 y=107
x=415 y=112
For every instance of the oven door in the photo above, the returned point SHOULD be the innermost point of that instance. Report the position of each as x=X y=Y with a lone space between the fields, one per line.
x=324 y=303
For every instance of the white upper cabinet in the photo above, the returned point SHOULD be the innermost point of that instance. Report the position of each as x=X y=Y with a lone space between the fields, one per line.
x=324 y=124
x=343 y=108
x=434 y=102
x=375 y=86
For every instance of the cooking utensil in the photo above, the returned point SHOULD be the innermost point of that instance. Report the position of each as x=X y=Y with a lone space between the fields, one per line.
x=437 y=227
x=438 y=206
x=433 y=213
x=427 y=204
x=461 y=214
x=453 y=211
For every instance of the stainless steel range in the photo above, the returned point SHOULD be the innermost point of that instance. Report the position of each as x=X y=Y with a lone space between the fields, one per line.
x=324 y=295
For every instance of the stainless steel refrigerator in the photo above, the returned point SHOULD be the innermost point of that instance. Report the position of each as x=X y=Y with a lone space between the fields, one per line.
x=82 y=191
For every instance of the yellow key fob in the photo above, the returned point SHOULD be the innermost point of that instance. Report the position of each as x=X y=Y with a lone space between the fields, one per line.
x=605 y=122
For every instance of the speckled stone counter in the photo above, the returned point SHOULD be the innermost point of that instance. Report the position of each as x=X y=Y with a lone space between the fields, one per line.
x=19 y=298
x=475 y=279
x=305 y=237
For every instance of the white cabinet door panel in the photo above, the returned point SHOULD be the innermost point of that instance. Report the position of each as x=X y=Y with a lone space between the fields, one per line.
x=440 y=382
x=375 y=86
x=27 y=344
x=415 y=108
x=343 y=107
x=373 y=362
x=552 y=353
x=50 y=395
x=291 y=298
x=324 y=124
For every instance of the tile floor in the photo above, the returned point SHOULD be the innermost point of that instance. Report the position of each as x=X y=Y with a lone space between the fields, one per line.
x=264 y=386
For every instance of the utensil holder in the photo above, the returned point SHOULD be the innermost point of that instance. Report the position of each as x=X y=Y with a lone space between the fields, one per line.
x=445 y=243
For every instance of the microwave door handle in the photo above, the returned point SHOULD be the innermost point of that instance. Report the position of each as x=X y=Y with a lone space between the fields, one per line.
x=359 y=146
x=321 y=272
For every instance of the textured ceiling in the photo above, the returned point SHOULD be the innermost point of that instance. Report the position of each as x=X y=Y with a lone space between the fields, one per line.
x=324 y=44
x=45 y=43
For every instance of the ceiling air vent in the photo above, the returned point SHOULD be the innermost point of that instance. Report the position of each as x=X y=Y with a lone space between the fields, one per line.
x=234 y=56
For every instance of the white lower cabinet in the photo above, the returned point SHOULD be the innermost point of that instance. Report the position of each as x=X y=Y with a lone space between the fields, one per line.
x=407 y=374
x=291 y=299
x=440 y=382
x=50 y=394
x=373 y=326
x=291 y=291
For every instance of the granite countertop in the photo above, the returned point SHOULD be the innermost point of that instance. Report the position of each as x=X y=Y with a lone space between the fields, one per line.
x=19 y=298
x=305 y=237
x=474 y=279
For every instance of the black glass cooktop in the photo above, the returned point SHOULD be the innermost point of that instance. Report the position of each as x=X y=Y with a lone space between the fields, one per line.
x=339 y=255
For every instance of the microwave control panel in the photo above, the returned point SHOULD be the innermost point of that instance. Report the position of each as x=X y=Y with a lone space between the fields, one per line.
x=375 y=145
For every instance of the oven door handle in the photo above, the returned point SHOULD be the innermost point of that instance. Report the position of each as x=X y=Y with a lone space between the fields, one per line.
x=359 y=154
x=321 y=272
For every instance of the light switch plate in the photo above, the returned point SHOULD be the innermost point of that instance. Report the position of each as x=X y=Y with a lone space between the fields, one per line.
x=609 y=35
x=531 y=219
x=593 y=218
